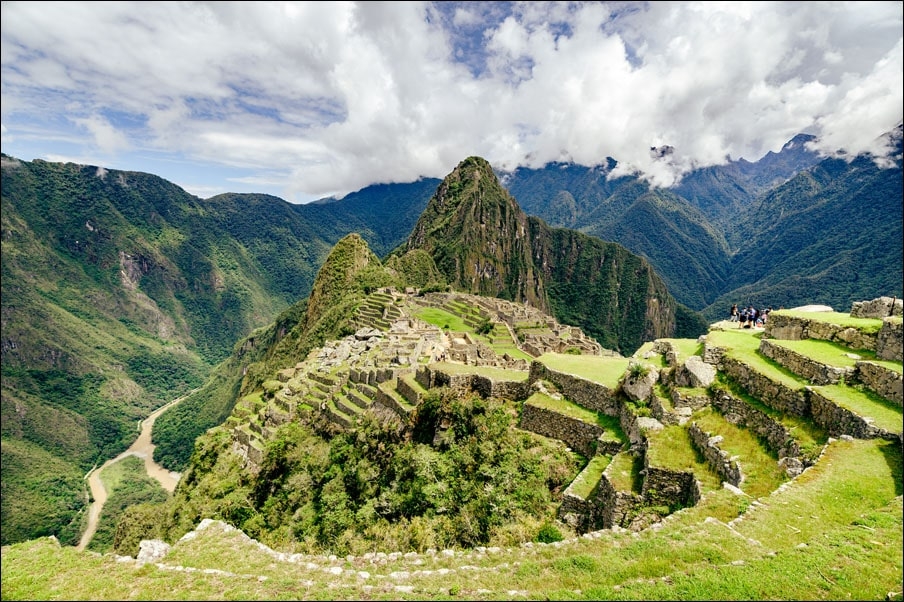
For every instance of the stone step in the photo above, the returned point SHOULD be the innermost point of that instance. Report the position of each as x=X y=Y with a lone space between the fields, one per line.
x=411 y=390
x=357 y=397
x=345 y=405
x=337 y=416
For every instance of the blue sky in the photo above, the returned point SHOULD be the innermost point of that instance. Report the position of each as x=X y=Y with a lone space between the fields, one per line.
x=305 y=100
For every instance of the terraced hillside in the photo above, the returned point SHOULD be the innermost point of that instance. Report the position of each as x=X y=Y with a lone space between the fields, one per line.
x=750 y=464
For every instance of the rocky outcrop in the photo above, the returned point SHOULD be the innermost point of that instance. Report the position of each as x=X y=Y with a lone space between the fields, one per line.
x=695 y=373
x=881 y=307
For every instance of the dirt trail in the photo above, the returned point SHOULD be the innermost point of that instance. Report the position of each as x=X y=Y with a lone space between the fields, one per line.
x=142 y=448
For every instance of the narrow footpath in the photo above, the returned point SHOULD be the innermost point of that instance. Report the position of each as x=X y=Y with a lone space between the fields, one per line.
x=142 y=448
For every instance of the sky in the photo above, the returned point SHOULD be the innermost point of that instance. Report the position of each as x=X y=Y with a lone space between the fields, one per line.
x=306 y=100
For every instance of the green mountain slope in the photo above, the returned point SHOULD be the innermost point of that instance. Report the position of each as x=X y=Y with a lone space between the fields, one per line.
x=831 y=234
x=485 y=244
x=120 y=291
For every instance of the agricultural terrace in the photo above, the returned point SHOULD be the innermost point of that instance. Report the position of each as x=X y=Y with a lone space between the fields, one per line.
x=606 y=371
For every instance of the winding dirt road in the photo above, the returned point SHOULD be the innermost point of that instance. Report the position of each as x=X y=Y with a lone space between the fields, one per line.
x=142 y=448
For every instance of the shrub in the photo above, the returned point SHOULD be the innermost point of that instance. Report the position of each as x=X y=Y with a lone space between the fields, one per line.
x=549 y=533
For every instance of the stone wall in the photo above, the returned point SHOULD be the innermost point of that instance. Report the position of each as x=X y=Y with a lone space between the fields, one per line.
x=890 y=342
x=577 y=434
x=741 y=413
x=713 y=354
x=591 y=395
x=717 y=458
x=614 y=508
x=816 y=372
x=776 y=395
x=430 y=377
x=839 y=421
x=884 y=381
x=672 y=488
x=794 y=328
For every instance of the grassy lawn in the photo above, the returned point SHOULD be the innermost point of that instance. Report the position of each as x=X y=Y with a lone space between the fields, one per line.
x=588 y=478
x=442 y=319
x=885 y=414
x=603 y=370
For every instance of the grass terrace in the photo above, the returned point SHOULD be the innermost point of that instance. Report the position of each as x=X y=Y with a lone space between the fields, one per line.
x=686 y=347
x=584 y=483
x=810 y=437
x=671 y=448
x=827 y=352
x=868 y=325
x=744 y=348
x=885 y=414
x=606 y=371
x=624 y=472
x=656 y=359
x=762 y=474
x=442 y=319
x=487 y=371
x=609 y=424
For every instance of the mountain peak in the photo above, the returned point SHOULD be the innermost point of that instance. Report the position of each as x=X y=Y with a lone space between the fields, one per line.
x=478 y=236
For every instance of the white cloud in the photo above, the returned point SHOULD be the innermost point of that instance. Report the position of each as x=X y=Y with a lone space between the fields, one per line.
x=323 y=98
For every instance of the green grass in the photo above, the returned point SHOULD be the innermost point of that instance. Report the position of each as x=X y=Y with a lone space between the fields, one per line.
x=588 y=478
x=442 y=319
x=762 y=474
x=624 y=472
x=810 y=438
x=487 y=371
x=744 y=348
x=671 y=448
x=570 y=409
x=606 y=371
x=826 y=352
x=866 y=325
x=686 y=347
x=885 y=414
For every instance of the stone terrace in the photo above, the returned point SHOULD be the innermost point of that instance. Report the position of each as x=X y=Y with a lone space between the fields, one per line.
x=391 y=362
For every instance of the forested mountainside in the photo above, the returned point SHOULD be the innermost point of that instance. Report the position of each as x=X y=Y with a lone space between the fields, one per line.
x=120 y=291
x=746 y=232
x=485 y=244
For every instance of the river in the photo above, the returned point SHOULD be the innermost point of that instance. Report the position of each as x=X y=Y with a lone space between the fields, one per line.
x=142 y=448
